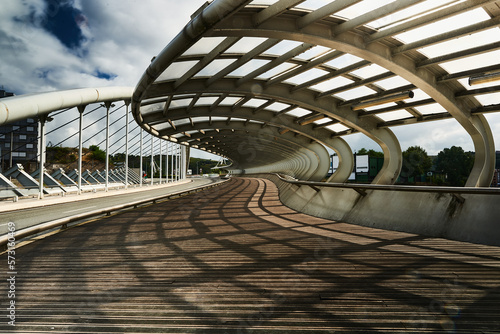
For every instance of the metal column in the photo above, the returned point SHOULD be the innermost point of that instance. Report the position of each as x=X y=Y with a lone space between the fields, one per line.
x=175 y=161
x=166 y=161
x=178 y=162
x=140 y=163
x=152 y=158
x=160 y=158
x=11 y=147
x=108 y=105
x=81 y=109
x=172 y=166
x=43 y=118
x=127 y=103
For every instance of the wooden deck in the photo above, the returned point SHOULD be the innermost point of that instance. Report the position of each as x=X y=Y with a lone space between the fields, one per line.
x=233 y=259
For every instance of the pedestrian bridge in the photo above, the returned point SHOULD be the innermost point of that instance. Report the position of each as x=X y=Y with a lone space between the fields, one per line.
x=279 y=247
x=233 y=259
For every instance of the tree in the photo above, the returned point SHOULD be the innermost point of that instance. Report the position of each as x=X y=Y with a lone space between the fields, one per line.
x=415 y=162
x=195 y=164
x=456 y=164
x=97 y=153
x=370 y=152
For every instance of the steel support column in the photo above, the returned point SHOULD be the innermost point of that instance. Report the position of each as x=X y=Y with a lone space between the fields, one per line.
x=160 y=159
x=140 y=163
x=127 y=103
x=81 y=109
x=43 y=119
x=152 y=158
x=108 y=106
x=166 y=161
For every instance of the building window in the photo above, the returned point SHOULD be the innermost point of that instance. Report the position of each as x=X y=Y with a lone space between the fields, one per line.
x=15 y=127
x=19 y=154
x=30 y=120
x=29 y=145
x=2 y=136
x=22 y=137
x=30 y=129
x=7 y=145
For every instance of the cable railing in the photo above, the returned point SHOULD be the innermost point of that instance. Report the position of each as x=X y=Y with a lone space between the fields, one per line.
x=362 y=188
x=123 y=139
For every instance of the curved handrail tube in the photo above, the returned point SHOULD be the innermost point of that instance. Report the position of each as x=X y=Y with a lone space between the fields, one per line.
x=33 y=105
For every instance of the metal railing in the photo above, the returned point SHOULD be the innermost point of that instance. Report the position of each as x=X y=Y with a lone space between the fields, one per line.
x=23 y=233
x=361 y=188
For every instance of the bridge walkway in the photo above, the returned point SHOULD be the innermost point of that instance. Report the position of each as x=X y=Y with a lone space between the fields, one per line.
x=233 y=259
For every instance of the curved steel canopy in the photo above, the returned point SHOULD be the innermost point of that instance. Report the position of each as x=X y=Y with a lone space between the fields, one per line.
x=270 y=85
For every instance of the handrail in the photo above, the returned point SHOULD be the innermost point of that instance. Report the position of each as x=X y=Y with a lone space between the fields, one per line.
x=66 y=220
x=363 y=187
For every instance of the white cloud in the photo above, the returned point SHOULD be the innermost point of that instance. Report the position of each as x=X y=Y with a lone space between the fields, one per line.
x=121 y=38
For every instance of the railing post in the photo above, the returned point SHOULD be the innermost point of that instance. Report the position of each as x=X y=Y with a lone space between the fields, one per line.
x=176 y=162
x=180 y=161
x=172 y=166
x=81 y=109
x=43 y=118
x=152 y=158
x=160 y=159
x=166 y=161
x=108 y=106
x=140 y=163
x=127 y=103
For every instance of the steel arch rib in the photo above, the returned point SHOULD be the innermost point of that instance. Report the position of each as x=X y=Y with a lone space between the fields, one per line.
x=320 y=135
x=380 y=54
x=308 y=157
x=306 y=99
x=305 y=136
x=212 y=22
x=251 y=151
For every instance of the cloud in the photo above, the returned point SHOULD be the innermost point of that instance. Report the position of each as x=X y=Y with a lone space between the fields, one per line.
x=51 y=45
x=48 y=45
x=111 y=43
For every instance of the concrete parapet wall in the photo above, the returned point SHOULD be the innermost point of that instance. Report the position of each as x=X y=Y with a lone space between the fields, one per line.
x=476 y=220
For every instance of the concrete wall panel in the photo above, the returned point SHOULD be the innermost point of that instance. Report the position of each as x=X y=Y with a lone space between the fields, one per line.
x=429 y=214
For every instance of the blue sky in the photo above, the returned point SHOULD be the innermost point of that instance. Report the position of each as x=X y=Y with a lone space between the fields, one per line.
x=48 y=45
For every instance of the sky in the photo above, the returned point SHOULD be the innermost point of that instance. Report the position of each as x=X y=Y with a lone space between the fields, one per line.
x=48 y=45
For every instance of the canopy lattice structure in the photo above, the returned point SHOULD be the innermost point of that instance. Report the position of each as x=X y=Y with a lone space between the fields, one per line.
x=270 y=84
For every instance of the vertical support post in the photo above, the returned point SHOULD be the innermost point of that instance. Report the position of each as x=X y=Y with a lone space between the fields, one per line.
x=175 y=161
x=108 y=106
x=81 y=109
x=43 y=118
x=140 y=163
x=160 y=159
x=127 y=103
x=178 y=162
x=152 y=158
x=12 y=147
x=172 y=166
x=166 y=161
x=184 y=162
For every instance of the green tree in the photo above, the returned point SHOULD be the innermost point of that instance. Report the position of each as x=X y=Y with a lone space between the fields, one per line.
x=97 y=153
x=370 y=152
x=456 y=164
x=415 y=162
x=195 y=164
